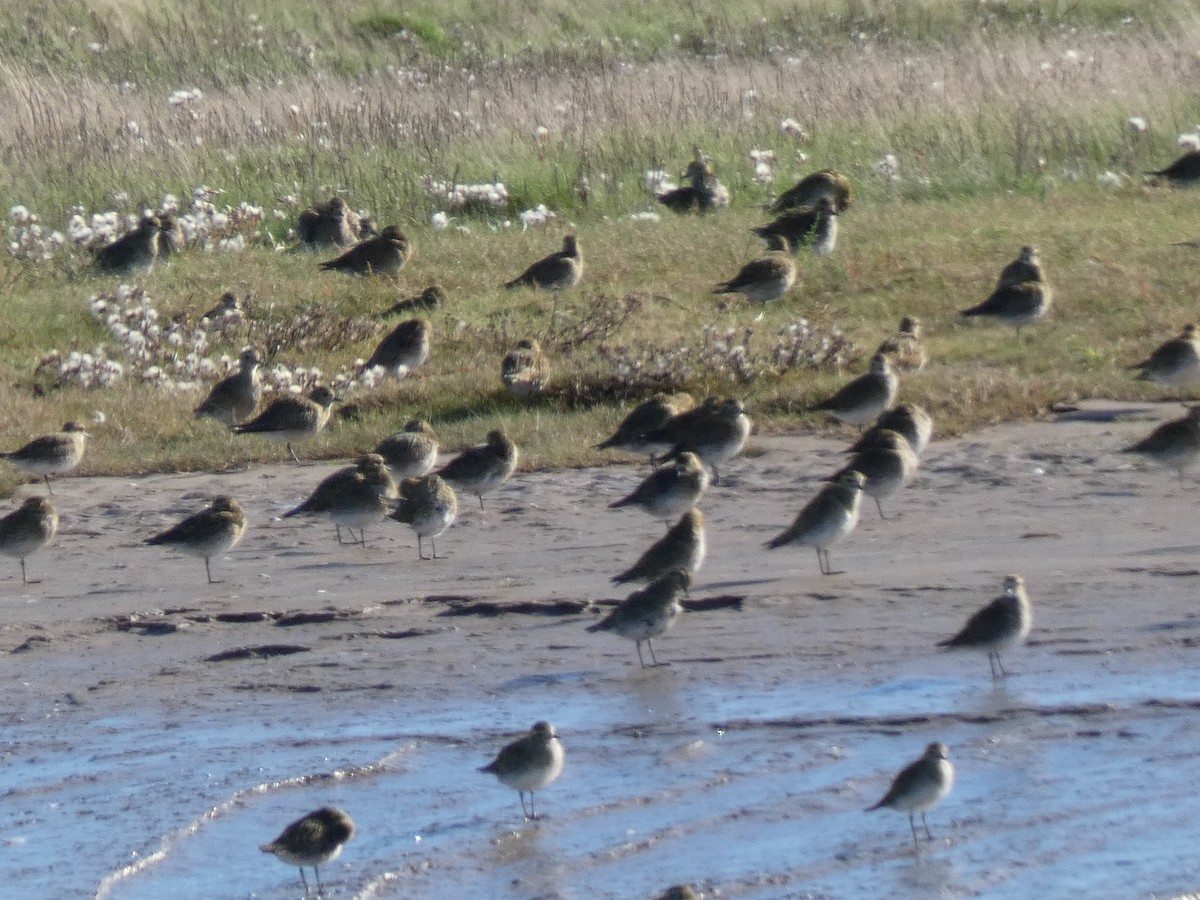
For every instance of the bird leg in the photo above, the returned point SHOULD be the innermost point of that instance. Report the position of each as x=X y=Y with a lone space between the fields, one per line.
x=208 y=571
x=639 y=650
x=925 y=822
x=50 y=489
x=433 y=542
x=420 y=552
x=24 y=580
x=293 y=452
x=913 y=825
x=304 y=880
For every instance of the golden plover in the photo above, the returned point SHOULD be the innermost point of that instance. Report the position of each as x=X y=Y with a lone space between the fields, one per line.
x=920 y=787
x=291 y=419
x=355 y=496
x=866 y=397
x=382 y=255
x=314 y=840
x=1175 y=363
x=210 y=533
x=648 y=613
x=907 y=419
x=1003 y=623
x=326 y=225
x=1174 y=444
x=767 y=278
x=51 y=454
x=634 y=433
x=236 y=396
x=405 y=348
x=668 y=493
x=411 y=452
x=556 y=272
x=887 y=462
x=28 y=529
x=1026 y=267
x=681 y=549
x=811 y=188
x=1183 y=172
x=433 y=297
x=430 y=506
x=479 y=470
x=1015 y=304
x=132 y=253
x=826 y=519
x=170 y=236
x=529 y=763
x=806 y=226
x=905 y=348
x=714 y=431
x=525 y=370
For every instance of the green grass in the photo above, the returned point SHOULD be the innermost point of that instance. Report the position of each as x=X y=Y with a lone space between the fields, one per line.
x=1000 y=133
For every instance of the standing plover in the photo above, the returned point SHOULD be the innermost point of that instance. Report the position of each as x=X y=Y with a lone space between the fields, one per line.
x=826 y=519
x=478 y=470
x=51 y=454
x=556 y=272
x=810 y=189
x=329 y=224
x=430 y=506
x=313 y=840
x=30 y=528
x=905 y=348
x=355 y=496
x=635 y=433
x=907 y=419
x=1003 y=623
x=529 y=763
x=864 y=398
x=132 y=253
x=668 y=493
x=1183 y=172
x=1026 y=267
x=209 y=533
x=1017 y=305
x=888 y=463
x=405 y=348
x=1175 y=363
x=714 y=431
x=170 y=236
x=382 y=255
x=291 y=419
x=767 y=278
x=648 y=613
x=411 y=452
x=525 y=370
x=806 y=226
x=682 y=548
x=1174 y=444
x=920 y=786
x=235 y=396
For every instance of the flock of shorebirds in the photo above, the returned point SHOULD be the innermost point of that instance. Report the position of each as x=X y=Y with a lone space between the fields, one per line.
x=398 y=479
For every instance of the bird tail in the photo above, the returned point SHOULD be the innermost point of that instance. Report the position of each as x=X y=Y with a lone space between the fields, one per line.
x=328 y=264
x=489 y=768
x=779 y=540
x=602 y=625
x=617 y=504
x=874 y=807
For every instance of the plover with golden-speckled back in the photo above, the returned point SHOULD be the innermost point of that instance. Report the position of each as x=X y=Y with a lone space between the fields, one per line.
x=826 y=519
x=430 y=506
x=920 y=787
x=209 y=533
x=291 y=419
x=236 y=396
x=866 y=397
x=326 y=225
x=1017 y=305
x=385 y=254
x=766 y=278
x=313 y=840
x=887 y=462
x=51 y=454
x=354 y=496
x=702 y=193
x=227 y=309
x=1174 y=444
x=410 y=452
x=28 y=529
x=529 y=763
x=170 y=236
x=1175 y=363
x=806 y=226
x=907 y=419
x=1183 y=172
x=557 y=272
x=682 y=548
x=405 y=348
x=811 y=188
x=636 y=432
x=1002 y=624
x=525 y=370
x=1026 y=267
x=669 y=492
x=648 y=613
x=131 y=253
x=714 y=431
x=479 y=470
x=905 y=348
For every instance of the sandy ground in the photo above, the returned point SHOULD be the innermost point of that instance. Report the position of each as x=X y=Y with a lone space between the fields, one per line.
x=159 y=728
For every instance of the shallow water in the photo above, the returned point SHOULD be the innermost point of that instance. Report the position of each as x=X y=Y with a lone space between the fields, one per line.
x=138 y=766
